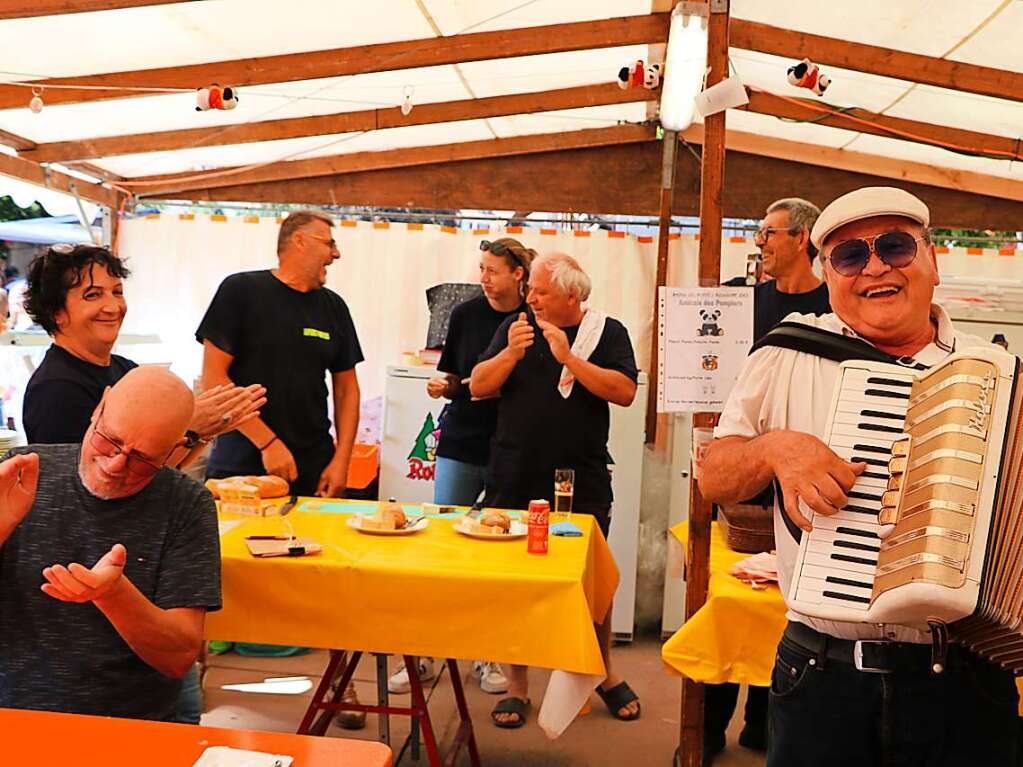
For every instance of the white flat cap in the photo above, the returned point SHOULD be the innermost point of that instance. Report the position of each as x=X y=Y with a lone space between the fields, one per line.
x=868 y=202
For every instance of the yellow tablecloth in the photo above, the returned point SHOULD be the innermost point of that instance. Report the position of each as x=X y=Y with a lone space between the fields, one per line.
x=435 y=593
x=732 y=638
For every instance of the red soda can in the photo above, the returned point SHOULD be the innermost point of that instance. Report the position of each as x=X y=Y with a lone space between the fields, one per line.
x=539 y=522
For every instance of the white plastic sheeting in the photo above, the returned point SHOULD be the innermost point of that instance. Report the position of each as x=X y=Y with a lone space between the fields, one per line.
x=975 y=31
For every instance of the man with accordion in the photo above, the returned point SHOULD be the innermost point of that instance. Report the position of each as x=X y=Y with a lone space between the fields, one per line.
x=877 y=665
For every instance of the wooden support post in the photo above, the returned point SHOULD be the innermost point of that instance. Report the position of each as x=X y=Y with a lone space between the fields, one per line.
x=663 y=237
x=698 y=551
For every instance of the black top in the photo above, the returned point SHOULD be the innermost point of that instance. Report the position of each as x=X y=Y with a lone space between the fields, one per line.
x=62 y=394
x=771 y=306
x=59 y=656
x=466 y=426
x=539 y=431
x=287 y=341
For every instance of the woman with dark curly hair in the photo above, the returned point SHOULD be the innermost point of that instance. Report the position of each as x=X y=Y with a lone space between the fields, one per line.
x=76 y=293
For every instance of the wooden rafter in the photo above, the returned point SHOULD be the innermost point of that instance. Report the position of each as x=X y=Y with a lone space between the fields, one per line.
x=399 y=158
x=34 y=173
x=882 y=125
x=379 y=57
x=16 y=142
x=871 y=164
x=875 y=60
x=343 y=122
x=18 y=9
x=736 y=141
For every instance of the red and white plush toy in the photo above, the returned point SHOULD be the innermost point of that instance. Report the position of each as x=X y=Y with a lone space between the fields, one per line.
x=215 y=97
x=808 y=75
x=639 y=75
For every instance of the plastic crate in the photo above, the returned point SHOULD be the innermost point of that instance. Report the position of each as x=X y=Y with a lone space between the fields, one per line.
x=362 y=469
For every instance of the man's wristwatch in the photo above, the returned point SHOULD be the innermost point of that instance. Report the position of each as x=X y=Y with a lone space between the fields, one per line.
x=192 y=439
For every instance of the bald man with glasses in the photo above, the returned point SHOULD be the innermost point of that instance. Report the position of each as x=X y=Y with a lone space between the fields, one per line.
x=109 y=561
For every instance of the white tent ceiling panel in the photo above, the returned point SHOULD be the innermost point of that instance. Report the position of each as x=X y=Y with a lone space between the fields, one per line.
x=198 y=33
x=928 y=27
x=568 y=120
x=453 y=16
x=206 y=158
x=997 y=44
x=806 y=133
x=961 y=110
x=940 y=158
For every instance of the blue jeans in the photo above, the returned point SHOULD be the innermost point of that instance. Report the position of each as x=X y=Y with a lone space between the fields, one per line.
x=457 y=483
x=190 y=700
x=828 y=713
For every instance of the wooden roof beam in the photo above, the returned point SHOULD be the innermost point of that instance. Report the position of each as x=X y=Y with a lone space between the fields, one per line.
x=181 y=183
x=361 y=59
x=33 y=173
x=871 y=164
x=341 y=122
x=18 y=9
x=875 y=60
x=880 y=125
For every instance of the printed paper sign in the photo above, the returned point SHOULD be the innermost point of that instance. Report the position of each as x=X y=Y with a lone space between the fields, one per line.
x=704 y=336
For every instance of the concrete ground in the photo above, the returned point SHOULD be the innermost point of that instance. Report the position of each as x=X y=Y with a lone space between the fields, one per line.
x=594 y=740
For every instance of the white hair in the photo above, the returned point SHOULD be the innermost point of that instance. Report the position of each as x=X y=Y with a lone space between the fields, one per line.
x=566 y=274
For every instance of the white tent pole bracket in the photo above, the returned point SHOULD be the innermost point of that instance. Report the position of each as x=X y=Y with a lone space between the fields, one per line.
x=82 y=218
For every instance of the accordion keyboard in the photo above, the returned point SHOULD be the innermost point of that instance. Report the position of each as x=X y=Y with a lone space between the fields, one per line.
x=838 y=558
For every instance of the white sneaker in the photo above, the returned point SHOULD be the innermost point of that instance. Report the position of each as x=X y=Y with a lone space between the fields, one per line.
x=399 y=684
x=492 y=679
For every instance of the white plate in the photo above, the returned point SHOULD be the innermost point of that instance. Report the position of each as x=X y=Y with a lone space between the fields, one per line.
x=518 y=530
x=356 y=522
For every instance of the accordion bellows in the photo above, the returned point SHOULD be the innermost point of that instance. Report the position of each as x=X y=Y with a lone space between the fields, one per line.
x=933 y=531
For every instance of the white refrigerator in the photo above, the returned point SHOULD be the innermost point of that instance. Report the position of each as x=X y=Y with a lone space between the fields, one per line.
x=407 y=465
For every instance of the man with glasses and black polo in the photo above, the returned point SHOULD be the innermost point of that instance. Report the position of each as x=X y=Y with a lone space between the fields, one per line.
x=790 y=286
x=827 y=705
x=108 y=560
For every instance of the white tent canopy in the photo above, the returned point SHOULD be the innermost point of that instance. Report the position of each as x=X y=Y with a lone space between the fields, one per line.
x=979 y=32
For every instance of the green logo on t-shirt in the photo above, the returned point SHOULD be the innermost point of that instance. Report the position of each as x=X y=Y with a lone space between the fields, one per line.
x=314 y=333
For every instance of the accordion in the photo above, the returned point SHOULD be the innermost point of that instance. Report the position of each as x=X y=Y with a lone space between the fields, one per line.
x=932 y=535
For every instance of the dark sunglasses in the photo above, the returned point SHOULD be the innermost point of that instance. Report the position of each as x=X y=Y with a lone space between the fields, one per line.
x=500 y=250
x=897 y=249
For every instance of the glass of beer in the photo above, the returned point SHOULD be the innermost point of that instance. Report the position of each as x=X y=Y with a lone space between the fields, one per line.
x=564 y=488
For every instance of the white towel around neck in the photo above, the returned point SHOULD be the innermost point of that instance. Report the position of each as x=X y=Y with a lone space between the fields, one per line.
x=590 y=331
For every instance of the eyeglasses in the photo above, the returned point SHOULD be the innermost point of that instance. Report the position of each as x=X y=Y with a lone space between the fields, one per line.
x=110 y=448
x=896 y=249
x=329 y=240
x=763 y=235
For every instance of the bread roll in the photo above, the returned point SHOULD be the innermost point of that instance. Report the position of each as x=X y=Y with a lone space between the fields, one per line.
x=497 y=519
x=268 y=486
x=394 y=517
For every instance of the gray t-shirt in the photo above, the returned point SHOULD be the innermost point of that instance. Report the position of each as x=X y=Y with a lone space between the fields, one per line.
x=62 y=656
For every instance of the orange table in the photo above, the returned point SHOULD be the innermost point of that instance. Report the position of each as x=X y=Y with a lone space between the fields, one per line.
x=45 y=738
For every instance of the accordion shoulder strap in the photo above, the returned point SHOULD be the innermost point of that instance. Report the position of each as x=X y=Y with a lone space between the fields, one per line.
x=832 y=346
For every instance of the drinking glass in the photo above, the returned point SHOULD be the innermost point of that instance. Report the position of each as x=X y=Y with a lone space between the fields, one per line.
x=564 y=488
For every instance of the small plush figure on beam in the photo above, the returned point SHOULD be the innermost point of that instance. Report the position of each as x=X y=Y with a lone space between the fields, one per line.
x=215 y=97
x=639 y=75
x=807 y=75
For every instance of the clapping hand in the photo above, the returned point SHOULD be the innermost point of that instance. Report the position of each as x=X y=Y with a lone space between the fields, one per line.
x=18 y=479
x=226 y=407
x=77 y=583
x=520 y=337
x=557 y=340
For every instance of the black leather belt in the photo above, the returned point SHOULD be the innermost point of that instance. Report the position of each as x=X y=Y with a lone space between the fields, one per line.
x=872 y=656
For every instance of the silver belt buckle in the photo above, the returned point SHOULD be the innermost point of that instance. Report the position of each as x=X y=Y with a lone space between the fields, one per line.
x=858 y=657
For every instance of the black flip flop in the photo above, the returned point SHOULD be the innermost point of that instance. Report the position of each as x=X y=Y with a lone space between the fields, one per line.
x=617 y=698
x=515 y=706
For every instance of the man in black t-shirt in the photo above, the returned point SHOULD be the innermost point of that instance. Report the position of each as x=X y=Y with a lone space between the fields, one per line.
x=556 y=371
x=283 y=329
x=130 y=544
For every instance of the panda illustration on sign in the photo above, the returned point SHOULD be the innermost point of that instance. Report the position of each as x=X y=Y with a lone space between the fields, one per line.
x=710 y=326
x=709 y=362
